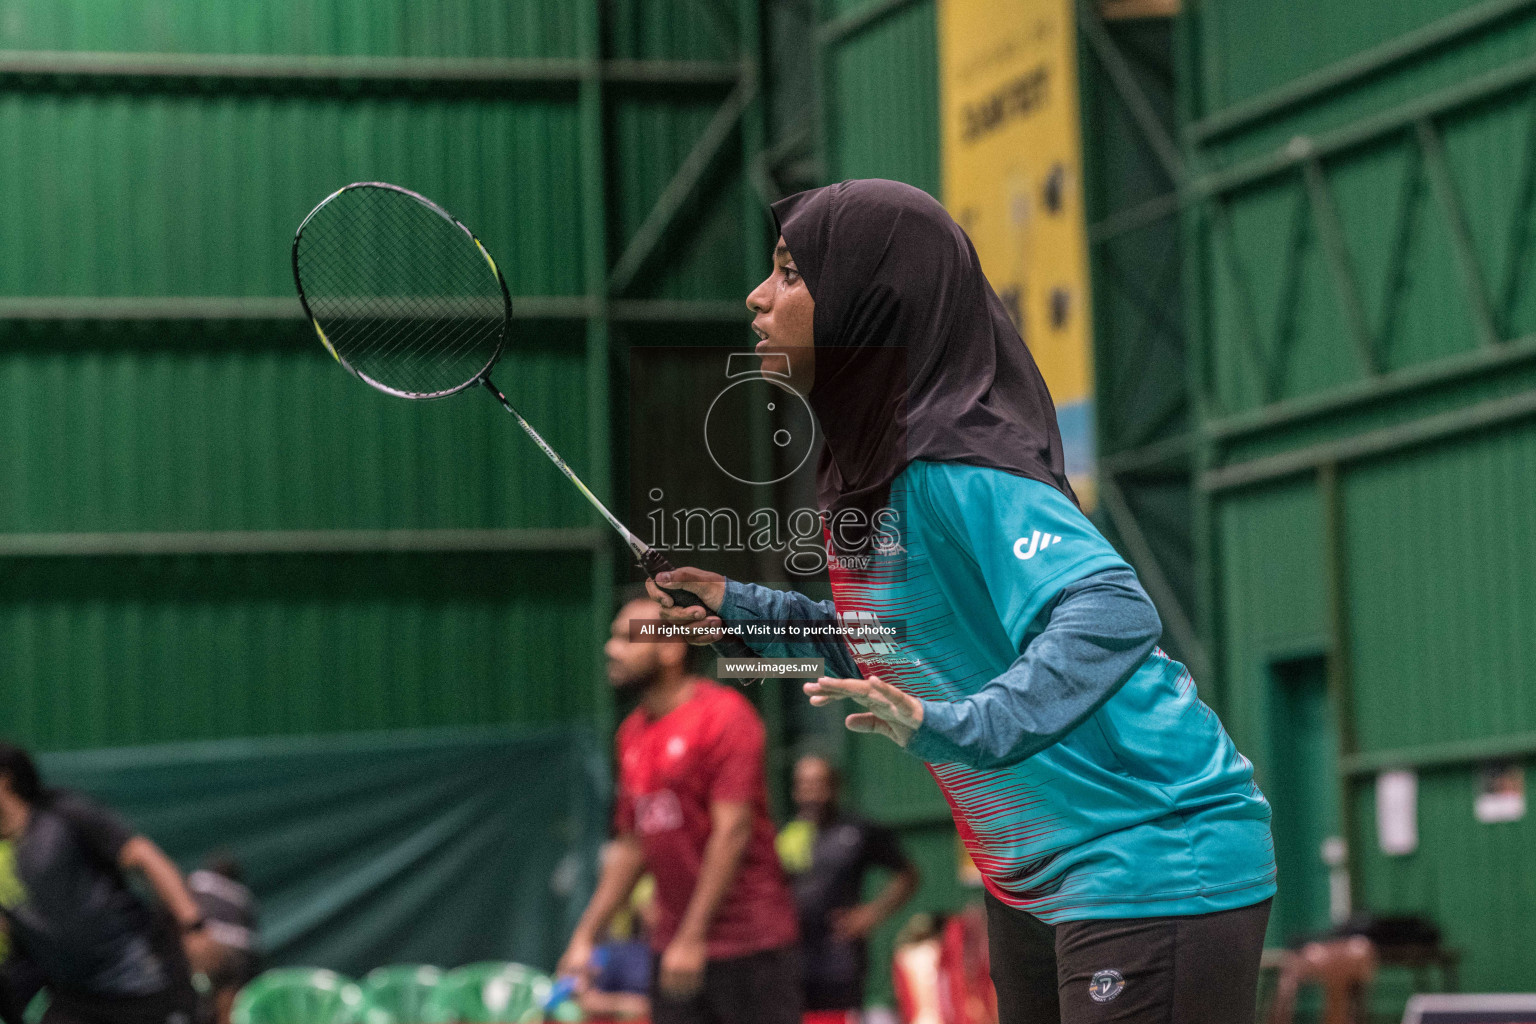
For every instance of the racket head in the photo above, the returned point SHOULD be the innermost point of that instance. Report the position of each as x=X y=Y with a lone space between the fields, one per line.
x=400 y=292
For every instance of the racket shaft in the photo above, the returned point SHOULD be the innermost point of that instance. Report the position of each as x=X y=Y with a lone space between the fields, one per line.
x=651 y=560
x=635 y=543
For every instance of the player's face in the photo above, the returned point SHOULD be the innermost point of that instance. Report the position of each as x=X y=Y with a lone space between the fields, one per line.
x=814 y=789
x=630 y=663
x=785 y=313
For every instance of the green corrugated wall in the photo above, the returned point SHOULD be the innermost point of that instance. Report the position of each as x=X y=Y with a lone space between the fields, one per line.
x=164 y=408
x=1126 y=74
x=881 y=87
x=1363 y=255
x=418 y=28
x=1316 y=346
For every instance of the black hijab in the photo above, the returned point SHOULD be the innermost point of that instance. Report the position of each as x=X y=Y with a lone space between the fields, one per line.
x=916 y=357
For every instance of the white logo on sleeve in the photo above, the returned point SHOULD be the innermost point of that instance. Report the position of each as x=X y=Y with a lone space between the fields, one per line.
x=1025 y=547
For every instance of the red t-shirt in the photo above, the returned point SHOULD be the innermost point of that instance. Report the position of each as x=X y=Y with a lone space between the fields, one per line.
x=709 y=748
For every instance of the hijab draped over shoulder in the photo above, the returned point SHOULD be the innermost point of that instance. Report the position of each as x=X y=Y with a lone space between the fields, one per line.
x=916 y=358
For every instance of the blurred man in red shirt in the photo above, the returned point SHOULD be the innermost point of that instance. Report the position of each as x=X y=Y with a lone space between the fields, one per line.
x=692 y=808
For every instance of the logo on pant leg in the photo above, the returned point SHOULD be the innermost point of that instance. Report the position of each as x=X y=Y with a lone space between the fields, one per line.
x=1105 y=985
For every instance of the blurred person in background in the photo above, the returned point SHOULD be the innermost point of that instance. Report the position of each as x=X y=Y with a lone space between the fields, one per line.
x=104 y=956
x=828 y=853
x=230 y=910
x=621 y=965
x=19 y=980
x=915 y=971
x=692 y=808
x=19 y=983
x=940 y=970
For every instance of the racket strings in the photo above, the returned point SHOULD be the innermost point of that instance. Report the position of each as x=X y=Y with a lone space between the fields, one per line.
x=388 y=332
x=403 y=294
x=385 y=334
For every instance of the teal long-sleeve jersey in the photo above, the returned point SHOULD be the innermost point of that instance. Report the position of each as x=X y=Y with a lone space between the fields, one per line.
x=1119 y=794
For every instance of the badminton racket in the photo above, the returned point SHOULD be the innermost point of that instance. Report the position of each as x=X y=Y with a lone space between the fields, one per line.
x=409 y=301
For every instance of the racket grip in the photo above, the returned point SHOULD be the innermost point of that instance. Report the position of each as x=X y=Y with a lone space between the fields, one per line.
x=654 y=563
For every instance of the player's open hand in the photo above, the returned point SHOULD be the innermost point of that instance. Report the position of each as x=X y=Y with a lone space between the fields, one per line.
x=853 y=924
x=204 y=955
x=891 y=713
x=682 y=967
x=576 y=962
x=709 y=588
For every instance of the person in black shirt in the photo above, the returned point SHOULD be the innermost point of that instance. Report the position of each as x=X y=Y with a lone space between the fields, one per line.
x=230 y=909
x=104 y=956
x=828 y=853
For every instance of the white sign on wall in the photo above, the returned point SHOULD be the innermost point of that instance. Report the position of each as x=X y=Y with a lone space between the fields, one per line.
x=1397 y=812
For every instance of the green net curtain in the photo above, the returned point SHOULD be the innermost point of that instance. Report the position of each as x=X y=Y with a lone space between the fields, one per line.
x=445 y=847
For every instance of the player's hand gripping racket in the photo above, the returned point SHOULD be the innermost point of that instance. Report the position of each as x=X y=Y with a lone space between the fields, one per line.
x=407 y=300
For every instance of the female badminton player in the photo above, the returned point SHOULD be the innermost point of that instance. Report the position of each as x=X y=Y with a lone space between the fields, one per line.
x=1125 y=849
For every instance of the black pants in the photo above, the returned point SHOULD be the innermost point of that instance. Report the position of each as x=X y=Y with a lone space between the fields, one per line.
x=176 y=1005
x=760 y=988
x=1201 y=969
x=19 y=982
x=832 y=972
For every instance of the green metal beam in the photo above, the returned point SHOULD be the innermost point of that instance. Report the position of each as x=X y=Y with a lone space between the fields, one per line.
x=864 y=18
x=1402 y=50
x=150 y=307
x=719 y=18
x=65 y=68
x=1134 y=218
x=592 y=128
x=216 y=307
x=1278 y=354
x=1119 y=390
x=1473 y=282
x=1340 y=663
x=795 y=141
x=1195 y=228
x=1372 y=443
x=821 y=106
x=1171 y=453
x=1248 y=318
x=683 y=184
x=1150 y=570
x=1451 y=369
x=756 y=263
x=1330 y=231
x=1174 y=407
x=296 y=542
x=1519 y=240
x=1401 y=250
x=723 y=311
x=1367 y=130
x=1136 y=103
x=1449 y=754
x=1336 y=569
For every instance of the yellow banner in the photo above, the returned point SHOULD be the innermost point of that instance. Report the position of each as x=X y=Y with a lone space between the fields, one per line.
x=1012 y=167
